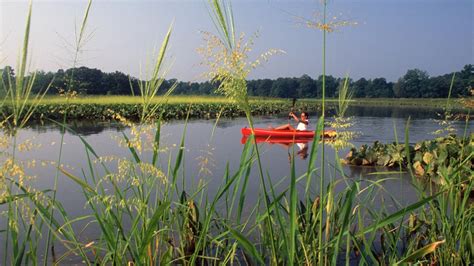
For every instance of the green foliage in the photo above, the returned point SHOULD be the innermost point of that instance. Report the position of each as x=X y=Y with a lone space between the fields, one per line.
x=432 y=159
x=413 y=83
x=95 y=82
x=101 y=111
x=360 y=87
x=390 y=155
x=436 y=158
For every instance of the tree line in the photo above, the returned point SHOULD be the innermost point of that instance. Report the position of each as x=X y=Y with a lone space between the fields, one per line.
x=414 y=84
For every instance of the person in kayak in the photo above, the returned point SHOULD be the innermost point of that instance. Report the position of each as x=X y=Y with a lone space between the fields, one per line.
x=303 y=122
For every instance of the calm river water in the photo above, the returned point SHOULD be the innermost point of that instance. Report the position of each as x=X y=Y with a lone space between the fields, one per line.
x=373 y=123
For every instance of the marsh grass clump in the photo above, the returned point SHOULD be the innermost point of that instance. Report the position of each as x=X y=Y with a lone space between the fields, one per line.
x=139 y=137
x=341 y=123
x=230 y=65
x=15 y=182
x=149 y=88
x=227 y=55
x=447 y=118
x=18 y=89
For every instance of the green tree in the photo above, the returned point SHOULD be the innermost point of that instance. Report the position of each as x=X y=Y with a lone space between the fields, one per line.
x=379 y=88
x=307 y=87
x=42 y=81
x=115 y=83
x=284 y=88
x=86 y=80
x=207 y=88
x=413 y=84
x=264 y=87
x=332 y=84
x=252 y=87
x=438 y=87
x=360 y=87
x=466 y=77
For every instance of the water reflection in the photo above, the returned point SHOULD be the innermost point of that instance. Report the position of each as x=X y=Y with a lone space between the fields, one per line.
x=393 y=112
x=80 y=127
x=223 y=151
x=224 y=147
x=88 y=127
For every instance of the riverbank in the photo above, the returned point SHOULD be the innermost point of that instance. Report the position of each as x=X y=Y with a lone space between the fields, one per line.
x=112 y=99
x=204 y=107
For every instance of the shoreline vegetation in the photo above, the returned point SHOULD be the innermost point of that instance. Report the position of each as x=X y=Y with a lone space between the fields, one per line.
x=206 y=107
x=431 y=160
x=414 y=84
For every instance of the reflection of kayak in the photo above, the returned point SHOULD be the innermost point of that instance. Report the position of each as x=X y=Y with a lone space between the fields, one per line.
x=277 y=140
x=291 y=134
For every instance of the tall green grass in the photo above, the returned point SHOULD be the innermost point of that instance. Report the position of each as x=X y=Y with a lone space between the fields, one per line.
x=17 y=90
x=230 y=69
x=146 y=215
x=67 y=94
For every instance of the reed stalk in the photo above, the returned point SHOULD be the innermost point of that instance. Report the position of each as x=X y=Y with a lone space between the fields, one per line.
x=68 y=94
x=18 y=93
x=232 y=75
x=323 y=164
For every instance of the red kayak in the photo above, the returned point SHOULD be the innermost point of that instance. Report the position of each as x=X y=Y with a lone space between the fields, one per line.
x=275 y=140
x=282 y=134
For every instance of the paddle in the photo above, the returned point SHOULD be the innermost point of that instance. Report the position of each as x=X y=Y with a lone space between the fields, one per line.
x=292 y=108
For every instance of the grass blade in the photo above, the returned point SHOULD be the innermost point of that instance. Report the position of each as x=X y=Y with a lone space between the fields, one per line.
x=78 y=180
x=247 y=245
x=156 y=142
x=420 y=253
x=293 y=212
x=152 y=227
x=397 y=215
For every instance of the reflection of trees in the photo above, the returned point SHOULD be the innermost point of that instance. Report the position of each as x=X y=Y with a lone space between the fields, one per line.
x=393 y=111
x=80 y=127
x=91 y=128
x=352 y=171
x=229 y=122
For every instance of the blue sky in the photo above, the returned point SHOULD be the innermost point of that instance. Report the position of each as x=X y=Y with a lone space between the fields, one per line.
x=390 y=38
